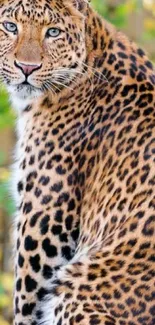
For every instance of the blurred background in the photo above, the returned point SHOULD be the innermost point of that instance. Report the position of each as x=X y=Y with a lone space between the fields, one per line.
x=137 y=19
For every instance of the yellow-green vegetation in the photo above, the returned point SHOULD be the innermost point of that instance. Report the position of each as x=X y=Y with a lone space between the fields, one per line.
x=6 y=211
x=117 y=11
x=6 y=115
x=6 y=289
x=6 y=278
x=120 y=13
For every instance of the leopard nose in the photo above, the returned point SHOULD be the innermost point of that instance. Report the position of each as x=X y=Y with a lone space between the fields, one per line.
x=27 y=69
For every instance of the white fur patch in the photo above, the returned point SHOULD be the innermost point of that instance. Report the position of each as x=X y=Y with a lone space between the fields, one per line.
x=17 y=173
x=20 y=104
x=50 y=304
x=21 y=99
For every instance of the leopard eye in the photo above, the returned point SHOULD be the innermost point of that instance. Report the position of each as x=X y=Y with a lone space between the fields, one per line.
x=53 y=32
x=10 y=27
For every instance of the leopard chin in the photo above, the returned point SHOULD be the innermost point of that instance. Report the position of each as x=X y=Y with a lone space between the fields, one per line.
x=25 y=91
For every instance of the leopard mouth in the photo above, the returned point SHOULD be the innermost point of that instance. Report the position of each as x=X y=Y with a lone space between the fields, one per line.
x=25 y=83
x=26 y=86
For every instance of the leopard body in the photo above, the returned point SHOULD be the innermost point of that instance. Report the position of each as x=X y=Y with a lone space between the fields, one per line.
x=84 y=172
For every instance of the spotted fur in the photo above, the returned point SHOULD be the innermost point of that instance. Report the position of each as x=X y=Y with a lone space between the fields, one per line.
x=84 y=179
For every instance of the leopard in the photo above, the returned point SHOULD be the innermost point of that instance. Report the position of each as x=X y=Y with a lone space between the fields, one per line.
x=84 y=166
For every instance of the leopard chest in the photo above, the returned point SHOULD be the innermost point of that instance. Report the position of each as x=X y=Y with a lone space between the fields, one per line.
x=45 y=173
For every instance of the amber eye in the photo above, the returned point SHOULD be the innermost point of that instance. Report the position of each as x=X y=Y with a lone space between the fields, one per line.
x=53 y=32
x=10 y=27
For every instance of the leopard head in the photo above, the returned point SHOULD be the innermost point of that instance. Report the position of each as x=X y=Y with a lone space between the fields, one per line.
x=42 y=45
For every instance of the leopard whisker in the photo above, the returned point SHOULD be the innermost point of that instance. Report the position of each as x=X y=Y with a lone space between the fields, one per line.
x=53 y=85
x=49 y=86
x=95 y=72
x=62 y=84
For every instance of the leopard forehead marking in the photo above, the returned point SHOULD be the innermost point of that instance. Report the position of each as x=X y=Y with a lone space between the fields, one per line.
x=27 y=10
x=84 y=175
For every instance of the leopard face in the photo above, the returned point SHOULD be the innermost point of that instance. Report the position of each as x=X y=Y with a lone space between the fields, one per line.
x=46 y=40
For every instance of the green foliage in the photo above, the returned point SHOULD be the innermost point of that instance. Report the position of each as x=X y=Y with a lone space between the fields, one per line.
x=6 y=210
x=6 y=203
x=6 y=115
x=6 y=289
x=118 y=13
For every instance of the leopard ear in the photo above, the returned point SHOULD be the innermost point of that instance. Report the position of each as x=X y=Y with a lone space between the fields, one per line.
x=80 y=4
